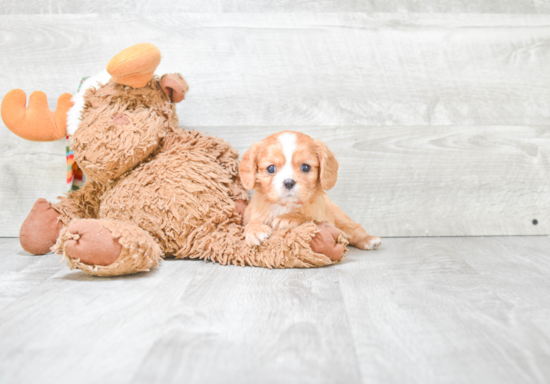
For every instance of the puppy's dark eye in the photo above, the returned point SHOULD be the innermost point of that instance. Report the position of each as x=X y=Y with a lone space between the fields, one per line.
x=306 y=168
x=271 y=169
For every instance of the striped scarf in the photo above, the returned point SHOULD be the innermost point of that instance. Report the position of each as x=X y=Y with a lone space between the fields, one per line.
x=75 y=177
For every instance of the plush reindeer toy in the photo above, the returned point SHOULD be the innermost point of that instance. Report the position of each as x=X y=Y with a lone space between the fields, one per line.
x=152 y=190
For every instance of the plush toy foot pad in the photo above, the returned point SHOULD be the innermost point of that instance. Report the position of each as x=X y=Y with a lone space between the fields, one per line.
x=326 y=242
x=94 y=244
x=40 y=229
x=107 y=247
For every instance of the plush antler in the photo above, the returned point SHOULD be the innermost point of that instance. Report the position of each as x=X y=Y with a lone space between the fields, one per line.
x=36 y=122
x=135 y=65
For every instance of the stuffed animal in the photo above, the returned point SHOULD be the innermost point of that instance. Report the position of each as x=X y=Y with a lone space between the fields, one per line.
x=152 y=190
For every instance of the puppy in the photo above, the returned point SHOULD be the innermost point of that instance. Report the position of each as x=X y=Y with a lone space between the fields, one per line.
x=290 y=173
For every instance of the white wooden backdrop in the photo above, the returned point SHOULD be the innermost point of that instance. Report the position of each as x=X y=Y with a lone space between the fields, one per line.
x=439 y=115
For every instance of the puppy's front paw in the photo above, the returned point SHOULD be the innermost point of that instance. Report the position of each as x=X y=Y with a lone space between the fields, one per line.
x=369 y=242
x=256 y=234
x=282 y=222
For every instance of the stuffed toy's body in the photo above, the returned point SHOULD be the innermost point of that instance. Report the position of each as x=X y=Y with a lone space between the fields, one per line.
x=152 y=190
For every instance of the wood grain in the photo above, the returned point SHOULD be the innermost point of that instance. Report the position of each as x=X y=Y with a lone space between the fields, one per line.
x=439 y=121
x=434 y=181
x=418 y=310
x=188 y=321
x=222 y=6
x=28 y=171
x=451 y=310
x=88 y=329
x=306 y=69
x=20 y=272
x=285 y=326
x=411 y=181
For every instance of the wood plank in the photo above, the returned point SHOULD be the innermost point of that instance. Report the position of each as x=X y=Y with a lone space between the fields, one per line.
x=306 y=69
x=410 y=181
x=75 y=323
x=248 y=325
x=169 y=6
x=28 y=171
x=418 y=310
x=188 y=321
x=384 y=75
x=20 y=272
x=434 y=181
x=451 y=310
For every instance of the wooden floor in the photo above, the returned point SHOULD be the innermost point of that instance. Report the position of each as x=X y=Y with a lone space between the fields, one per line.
x=419 y=310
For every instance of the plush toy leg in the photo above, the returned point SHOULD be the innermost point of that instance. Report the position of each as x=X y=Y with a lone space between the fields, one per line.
x=81 y=204
x=107 y=247
x=40 y=229
x=284 y=249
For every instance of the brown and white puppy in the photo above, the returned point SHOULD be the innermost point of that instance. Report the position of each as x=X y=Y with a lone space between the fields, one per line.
x=290 y=173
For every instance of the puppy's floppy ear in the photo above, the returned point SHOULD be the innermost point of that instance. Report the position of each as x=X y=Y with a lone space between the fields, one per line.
x=328 y=166
x=248 y=168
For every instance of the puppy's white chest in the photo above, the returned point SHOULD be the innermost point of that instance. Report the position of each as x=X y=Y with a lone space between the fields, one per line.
x=283 y=208
x=279 y=210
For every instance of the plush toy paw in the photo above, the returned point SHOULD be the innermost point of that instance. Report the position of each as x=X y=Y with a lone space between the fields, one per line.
x=105 y=247
x=282 y=222
x=40 y=229
x=326 y=242
x=369 y=242
x=93 y=245
x=256 y=233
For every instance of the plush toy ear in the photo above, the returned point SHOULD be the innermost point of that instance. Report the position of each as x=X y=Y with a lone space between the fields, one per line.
x=328 y=166
x=248 y=167
x=175 y=87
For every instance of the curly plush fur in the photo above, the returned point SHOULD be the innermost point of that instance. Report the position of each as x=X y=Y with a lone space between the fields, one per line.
x=152 y=190
x=162 y=191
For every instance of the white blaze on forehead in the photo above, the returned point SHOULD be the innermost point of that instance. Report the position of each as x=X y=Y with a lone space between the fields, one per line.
x=288 y=142
x=75 y=112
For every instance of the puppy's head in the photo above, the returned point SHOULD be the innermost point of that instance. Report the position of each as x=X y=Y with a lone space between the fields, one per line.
x=289 y=166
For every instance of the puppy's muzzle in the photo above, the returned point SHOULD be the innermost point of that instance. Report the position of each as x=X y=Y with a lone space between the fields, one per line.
x=289 y=184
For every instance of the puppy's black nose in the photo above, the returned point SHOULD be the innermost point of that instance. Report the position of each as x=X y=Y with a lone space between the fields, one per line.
x=289 y=184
